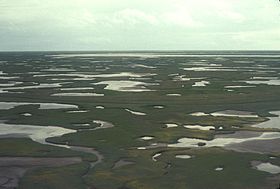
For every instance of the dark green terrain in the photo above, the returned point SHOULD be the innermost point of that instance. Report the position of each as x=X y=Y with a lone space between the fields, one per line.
x=125 y=164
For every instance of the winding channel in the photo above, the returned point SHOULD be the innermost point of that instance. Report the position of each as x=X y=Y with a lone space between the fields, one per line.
x=41 y=133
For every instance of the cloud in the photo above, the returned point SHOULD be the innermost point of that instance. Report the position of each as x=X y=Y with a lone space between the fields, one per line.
x=181 y=17
x=234 y=16
x=134 y=16
x=139 y=24
x=258 y=36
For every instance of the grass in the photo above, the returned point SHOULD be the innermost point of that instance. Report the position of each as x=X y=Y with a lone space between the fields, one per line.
x=120 y=142
x=21 y=147
x=69 y=177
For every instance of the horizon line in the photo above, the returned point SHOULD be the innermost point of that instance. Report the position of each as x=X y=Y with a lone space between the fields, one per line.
x=7 y=51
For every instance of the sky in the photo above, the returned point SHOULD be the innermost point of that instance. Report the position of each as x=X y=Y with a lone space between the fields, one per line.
x=42 y=25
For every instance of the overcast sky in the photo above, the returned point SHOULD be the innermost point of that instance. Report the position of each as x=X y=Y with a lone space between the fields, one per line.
x=139 y=25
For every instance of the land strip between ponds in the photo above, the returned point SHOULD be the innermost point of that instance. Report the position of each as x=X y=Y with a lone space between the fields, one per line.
x=41 y=133
x=239 y=141
x=171 y=102
x=48 y=131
